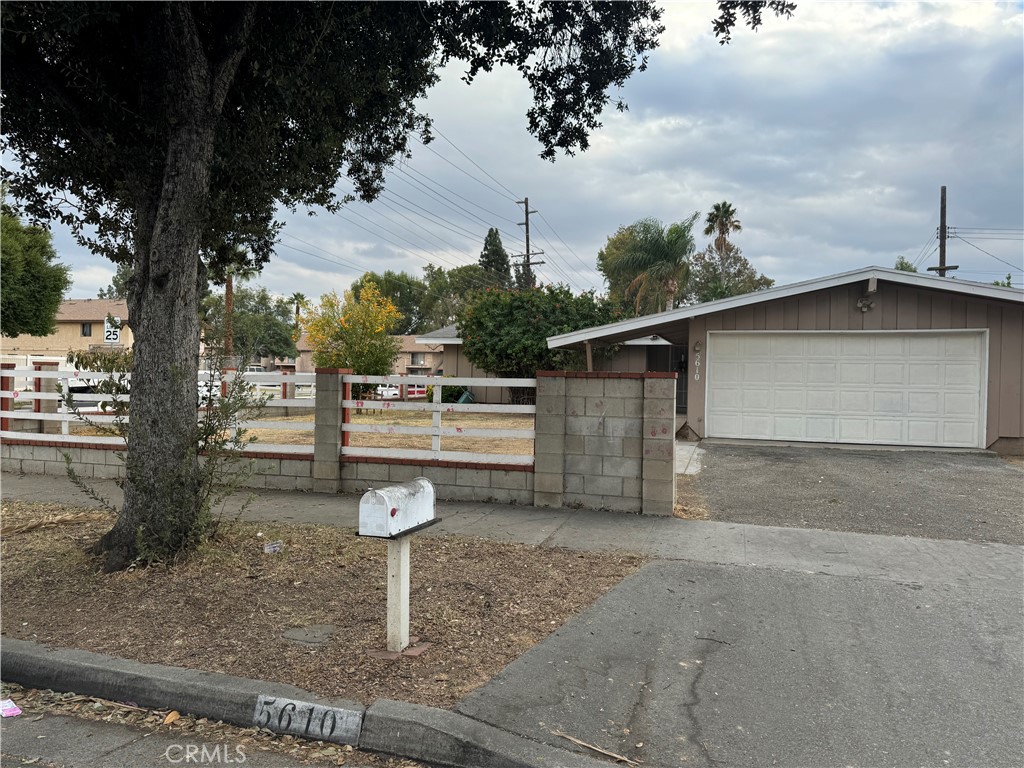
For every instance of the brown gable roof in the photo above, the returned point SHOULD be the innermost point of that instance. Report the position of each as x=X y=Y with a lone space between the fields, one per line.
x=91 y=310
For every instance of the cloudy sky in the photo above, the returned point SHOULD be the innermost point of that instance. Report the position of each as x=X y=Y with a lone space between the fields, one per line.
x=831 y=133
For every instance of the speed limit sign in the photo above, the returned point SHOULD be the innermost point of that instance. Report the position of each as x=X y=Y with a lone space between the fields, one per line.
x=112 y=330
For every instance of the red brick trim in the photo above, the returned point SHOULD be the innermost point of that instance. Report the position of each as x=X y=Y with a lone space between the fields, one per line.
x=333 y=370
x=55 y=444
x=592 y=374
x=272 y=455
x=436 y=463
x=661 y=375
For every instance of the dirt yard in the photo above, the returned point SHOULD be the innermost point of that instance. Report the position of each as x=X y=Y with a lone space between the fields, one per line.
x=480 y=603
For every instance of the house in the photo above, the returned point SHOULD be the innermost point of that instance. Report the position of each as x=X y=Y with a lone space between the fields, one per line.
x=648 y=353
x=871 y=356
x=80 y=325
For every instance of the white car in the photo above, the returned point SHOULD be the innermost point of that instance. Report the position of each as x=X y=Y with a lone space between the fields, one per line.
x=388 y=392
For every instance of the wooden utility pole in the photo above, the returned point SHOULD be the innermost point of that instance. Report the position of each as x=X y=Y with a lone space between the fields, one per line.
x=527 y=264
x=942 y=269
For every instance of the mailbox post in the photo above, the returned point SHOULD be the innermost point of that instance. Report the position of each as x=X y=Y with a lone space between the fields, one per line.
x=396 y=513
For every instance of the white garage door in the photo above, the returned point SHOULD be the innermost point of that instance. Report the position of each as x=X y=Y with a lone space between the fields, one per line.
x=858 y=387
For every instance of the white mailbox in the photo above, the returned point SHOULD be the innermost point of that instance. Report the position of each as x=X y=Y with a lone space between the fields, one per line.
x=397 y=509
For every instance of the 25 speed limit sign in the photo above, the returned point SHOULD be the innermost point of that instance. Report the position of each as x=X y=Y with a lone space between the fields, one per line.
x=112 y=330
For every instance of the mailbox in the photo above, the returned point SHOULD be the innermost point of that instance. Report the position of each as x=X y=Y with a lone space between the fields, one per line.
x=397 y=509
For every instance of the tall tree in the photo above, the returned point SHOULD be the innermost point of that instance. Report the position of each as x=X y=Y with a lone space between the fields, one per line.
x=619 y=292
x=494 y=260
x=177 y=127
x=405 y=291
x=656 y=260
x=721 y=222
x=34 y=282
x=718 y=274
x=297 y=300
x=448 y=291
x=261 y=325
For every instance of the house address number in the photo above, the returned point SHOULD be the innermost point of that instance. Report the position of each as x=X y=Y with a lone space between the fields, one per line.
x=696 y=366
x=311 y=721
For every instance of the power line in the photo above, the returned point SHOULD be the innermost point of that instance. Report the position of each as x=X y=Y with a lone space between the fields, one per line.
x=409 y=168
x=462 y=170
x=1014 y=266
x=568 y=248
x=485 y=173
x=920 y=254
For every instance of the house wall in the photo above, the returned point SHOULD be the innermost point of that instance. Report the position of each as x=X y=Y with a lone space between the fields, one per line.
x=66 y=338
x=896 y=308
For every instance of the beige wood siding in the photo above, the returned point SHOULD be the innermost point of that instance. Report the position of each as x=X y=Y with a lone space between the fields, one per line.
x=895 y=308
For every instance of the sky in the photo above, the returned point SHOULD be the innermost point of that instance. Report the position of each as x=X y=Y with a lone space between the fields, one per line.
x=831 y=133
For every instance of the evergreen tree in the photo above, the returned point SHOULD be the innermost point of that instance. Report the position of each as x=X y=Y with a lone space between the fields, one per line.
x=494 y=259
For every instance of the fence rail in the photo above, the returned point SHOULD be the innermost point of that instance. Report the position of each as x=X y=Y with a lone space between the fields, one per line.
x=437 y=409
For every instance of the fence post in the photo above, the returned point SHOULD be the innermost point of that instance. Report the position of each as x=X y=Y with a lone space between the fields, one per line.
x=47 y=406
x=549 y=443
x=329 y=415
x=6 y=402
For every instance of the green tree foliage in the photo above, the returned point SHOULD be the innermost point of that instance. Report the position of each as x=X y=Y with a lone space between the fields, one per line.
x=506 y=332
x=719 y=274
x=525 y=278
x=33 y=281
x=181 y=128
x=721 y=221
x=118 y=288
x=354 y=333
x=262 y=325
x=619 y=294
x=1007 y=283
x=904 y=265
x=407 y=293
x=448 y=291
x=494 y=260
x=654 y=262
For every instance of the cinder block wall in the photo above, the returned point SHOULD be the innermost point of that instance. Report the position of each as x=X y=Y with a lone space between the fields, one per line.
x=606 y=441
x=452 y=480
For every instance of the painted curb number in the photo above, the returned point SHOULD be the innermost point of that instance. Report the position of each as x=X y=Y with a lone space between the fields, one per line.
x=311 y=721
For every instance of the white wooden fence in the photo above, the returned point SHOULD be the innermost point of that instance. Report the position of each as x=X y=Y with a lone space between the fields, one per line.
x=285 y=391
x=437 y=429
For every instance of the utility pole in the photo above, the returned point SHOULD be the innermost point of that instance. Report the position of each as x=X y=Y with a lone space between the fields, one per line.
x=942 y=269
x=526 y=268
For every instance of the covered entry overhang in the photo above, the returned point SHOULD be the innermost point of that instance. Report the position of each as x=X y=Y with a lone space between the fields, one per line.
x=873 y=356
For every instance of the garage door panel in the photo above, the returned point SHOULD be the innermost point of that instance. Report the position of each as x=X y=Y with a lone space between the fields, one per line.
x=889 y=373
x=790 y=400
x=960 y=375
x=887 y=430
x=858 y=387
x=887 y=403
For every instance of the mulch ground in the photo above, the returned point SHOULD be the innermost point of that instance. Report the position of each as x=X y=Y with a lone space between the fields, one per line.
x=479 y=603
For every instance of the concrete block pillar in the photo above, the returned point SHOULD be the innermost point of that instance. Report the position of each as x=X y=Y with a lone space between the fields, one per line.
x=549 y=443
x=659 y=444
x=327 y=433
x=47 y=406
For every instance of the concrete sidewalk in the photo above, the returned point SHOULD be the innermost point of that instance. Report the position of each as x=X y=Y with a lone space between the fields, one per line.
x=901 y=559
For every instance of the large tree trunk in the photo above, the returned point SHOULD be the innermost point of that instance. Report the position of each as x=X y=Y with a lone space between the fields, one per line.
x=163 y=507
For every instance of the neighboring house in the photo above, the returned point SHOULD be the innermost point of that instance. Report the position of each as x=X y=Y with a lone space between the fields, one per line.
x=79 y=326
x=871 y=356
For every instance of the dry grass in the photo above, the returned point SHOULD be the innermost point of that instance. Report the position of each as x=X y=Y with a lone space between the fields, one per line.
x=505 y=445
x=481 y=603
x=690 y=502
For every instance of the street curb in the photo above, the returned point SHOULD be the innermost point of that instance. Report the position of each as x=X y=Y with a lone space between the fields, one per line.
x=394 y=727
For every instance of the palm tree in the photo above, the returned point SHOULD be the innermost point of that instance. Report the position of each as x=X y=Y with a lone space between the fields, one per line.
x=720 y=222
x=299 y=301
x=658 y=259
x=236 y=267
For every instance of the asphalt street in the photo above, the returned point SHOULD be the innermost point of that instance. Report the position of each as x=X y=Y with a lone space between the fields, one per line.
x=699 y=665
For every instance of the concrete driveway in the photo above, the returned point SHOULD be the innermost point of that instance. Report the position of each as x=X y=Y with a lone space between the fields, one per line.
x=966 y=496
